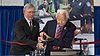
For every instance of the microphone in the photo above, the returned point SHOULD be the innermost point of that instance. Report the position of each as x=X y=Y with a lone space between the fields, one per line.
x=76 y=39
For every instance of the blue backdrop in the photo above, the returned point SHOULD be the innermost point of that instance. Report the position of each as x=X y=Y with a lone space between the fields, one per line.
x=97 y=28
x=8 y=16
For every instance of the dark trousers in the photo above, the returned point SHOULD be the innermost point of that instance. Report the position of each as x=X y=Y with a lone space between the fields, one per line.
x=56 y=5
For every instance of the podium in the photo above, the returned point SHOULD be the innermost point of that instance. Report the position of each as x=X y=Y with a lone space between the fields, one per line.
x=65 y=52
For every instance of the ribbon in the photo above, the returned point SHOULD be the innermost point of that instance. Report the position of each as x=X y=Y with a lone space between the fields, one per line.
x=86 y=43
x=14 y=42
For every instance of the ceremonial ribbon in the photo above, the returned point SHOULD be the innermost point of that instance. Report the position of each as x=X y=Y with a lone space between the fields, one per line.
x=87 y=43
x=66 y=46
x=14 y=42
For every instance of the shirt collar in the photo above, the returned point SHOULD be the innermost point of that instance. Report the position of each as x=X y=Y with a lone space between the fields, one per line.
x=27 y=20
x=58 y=26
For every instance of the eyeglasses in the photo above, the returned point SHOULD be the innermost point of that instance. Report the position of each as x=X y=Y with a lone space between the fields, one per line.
x=30 y=11
x=60 y=19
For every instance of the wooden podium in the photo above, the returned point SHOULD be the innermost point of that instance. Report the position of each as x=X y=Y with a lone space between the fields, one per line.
x=64 y=52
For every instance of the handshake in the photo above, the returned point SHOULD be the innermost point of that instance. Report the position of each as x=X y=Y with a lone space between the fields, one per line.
x=43 y=39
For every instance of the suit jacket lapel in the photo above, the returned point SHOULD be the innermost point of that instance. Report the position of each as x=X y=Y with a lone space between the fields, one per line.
x=26 y=25
x=54 y=28
x=64 y=30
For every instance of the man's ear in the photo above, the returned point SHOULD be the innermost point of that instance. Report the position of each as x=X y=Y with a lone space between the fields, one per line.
x=23 y=11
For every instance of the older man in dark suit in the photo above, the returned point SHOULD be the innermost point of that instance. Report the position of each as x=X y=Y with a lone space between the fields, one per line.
x=26 y=31
x=60 y=29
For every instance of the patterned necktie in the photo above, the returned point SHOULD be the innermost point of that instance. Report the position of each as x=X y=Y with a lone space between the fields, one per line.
x=30 y=26
x=57 y=36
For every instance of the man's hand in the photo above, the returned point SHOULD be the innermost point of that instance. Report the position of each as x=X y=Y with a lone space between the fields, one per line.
x=40 y=39
x=47 y=36
x=43 y=33
x=40 y=46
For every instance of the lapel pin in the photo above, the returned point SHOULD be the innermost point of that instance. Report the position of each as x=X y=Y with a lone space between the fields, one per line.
x=34 y=26
x=64 y=28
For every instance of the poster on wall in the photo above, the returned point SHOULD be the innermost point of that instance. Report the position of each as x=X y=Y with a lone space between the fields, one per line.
x=81 y=14
x=96 y=2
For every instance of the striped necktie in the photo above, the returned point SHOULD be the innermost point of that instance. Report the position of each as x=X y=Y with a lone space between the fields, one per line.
x=57 y=36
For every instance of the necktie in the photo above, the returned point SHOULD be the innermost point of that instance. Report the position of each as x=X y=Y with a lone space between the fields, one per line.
x=30 y=26
x=57 y=36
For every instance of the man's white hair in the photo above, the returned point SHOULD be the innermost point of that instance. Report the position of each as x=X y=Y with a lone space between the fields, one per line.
x=61 y=11
x=28 y=6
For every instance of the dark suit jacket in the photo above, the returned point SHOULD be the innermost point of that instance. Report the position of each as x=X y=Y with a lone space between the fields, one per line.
x=23 y=34
x=67 y=34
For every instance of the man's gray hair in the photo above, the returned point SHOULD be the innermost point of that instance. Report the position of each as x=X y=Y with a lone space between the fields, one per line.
x=28 y=6
x=61 y=11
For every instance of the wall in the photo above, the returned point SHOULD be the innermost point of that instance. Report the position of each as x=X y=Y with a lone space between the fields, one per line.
x=96 y=2
x=11 y=2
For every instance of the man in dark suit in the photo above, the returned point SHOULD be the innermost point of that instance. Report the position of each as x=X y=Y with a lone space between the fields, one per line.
x=26 y=33
x=50 y=31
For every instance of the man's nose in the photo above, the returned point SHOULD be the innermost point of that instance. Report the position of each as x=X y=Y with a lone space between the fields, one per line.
x=60 y=21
